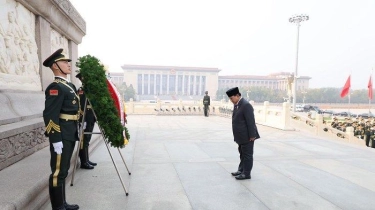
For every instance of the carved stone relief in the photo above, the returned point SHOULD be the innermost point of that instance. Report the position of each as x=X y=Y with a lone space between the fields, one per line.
x=59 y=41
x=19 y=63
x=20 y=143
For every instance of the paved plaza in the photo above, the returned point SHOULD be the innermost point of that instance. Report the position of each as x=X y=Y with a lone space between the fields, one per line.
x=184 y=162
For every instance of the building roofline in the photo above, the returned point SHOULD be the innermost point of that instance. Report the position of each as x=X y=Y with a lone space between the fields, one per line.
x=269 y=77
x=168 y=68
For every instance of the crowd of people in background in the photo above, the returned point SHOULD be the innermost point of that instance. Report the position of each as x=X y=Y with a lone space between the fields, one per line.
x=363 y=128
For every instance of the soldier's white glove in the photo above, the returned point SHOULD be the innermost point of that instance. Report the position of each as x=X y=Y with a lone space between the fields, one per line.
x=84 y=125
x=58 y=147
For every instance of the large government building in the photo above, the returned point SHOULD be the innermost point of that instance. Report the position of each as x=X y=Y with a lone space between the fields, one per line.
x=173 y=82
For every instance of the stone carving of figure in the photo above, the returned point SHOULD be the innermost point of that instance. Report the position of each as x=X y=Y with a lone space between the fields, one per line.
x=26 y=64
x=13 y=27
x=11 y=54
x=4 y=60
x=18 y=50
x=33 y=57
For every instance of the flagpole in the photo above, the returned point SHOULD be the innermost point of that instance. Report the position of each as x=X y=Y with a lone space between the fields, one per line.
x=350 y=94
x=349 y=103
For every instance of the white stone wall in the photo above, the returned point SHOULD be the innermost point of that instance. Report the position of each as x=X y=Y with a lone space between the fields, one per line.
x=19 y=62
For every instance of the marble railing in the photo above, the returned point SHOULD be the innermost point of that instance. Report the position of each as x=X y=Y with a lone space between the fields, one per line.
x=273 y=116
x=318 y=126
x=276 y=116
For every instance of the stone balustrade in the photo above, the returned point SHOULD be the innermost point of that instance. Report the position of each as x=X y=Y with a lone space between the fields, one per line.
x=318 y=126
x=265 y=115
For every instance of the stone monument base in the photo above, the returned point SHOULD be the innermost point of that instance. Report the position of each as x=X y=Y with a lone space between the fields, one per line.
x=21 y=125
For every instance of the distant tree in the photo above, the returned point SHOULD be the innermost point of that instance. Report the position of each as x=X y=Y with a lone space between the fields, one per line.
x=129 y=93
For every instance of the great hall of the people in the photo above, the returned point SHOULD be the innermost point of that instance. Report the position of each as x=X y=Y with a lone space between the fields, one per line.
x=171 y=82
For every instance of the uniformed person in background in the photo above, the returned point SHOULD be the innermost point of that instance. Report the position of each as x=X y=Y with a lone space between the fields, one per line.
x=88 y=126
x=61 y=116
x=367 y=132
x=206 y=103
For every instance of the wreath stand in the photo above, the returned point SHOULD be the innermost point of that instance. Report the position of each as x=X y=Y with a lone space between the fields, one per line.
x=81 y=134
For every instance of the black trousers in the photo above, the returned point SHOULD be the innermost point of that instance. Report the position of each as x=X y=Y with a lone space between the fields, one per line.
x=206 y=107
x=87 y=137
x=246 y=157
x=60 y=164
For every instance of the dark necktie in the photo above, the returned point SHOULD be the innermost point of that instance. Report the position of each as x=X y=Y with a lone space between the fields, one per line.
x=235 y=106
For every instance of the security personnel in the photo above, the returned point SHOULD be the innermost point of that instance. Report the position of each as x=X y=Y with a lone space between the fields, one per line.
x=88 y=126
x=206 y=103
x=60 y=115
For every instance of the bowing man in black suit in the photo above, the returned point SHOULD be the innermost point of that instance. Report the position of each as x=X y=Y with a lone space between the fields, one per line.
x=245 y=132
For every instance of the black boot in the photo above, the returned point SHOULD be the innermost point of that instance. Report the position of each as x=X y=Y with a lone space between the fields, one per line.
x=66 y=205
x=83 y=157
x=56 y=195
x=88 y=159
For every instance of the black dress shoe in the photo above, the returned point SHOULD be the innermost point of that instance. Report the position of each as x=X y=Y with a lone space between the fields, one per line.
x=70 y=206
x=242 y=176
x=92 y=163
x=236 y=173
x=86 y=166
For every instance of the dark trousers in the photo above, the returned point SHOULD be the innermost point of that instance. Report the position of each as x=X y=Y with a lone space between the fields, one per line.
x=206 y=107
x=87 y=137
x=367 y=138
x=246 y=156
x=60 y=164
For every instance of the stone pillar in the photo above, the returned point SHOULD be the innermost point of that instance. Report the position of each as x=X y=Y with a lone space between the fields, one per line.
x=131 y=106
x=318 y=124
x=43 y=37
x=350 y=133
x=265 y=110
x=158 y=105
x=73 y=49
x=285 y=116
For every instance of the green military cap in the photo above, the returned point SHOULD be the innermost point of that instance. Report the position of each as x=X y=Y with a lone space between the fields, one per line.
x=56 y=56
x=79 y=76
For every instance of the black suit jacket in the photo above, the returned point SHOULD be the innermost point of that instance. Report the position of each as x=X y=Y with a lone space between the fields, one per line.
x=243 y=123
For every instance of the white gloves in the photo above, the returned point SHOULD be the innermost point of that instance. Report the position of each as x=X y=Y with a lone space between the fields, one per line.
x=84 y=125
x=58 y=147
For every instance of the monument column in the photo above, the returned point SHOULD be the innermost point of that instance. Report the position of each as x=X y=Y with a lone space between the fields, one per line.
x=43 y=37
x=73 y=50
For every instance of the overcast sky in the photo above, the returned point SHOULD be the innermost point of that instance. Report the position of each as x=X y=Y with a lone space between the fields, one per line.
x=240 y=37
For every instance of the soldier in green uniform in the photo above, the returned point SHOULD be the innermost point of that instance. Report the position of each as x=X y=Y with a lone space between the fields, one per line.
x=61 y=116
x=88 y=126
x=206 y=103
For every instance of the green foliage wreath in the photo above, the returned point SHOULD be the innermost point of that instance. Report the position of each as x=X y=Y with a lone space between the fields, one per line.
x=96 y=90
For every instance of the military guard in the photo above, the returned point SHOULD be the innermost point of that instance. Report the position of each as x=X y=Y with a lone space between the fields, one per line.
x=88 y=126
x=61 y=114
x=206 y=103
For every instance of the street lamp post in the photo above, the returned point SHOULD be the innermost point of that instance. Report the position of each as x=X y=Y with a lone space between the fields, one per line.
x=304 y=96
x=297 y=19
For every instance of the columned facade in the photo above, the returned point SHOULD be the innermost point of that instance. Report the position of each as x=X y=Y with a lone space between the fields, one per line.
x=171 y=81
x=276 y=81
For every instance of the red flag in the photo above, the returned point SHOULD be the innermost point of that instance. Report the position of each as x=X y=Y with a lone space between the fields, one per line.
x=346 y=88
x=370 y=88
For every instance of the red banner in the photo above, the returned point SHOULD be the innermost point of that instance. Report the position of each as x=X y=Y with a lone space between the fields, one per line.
x=369 y=86
x=346 y=88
